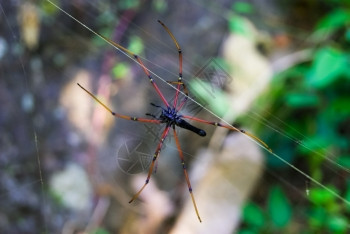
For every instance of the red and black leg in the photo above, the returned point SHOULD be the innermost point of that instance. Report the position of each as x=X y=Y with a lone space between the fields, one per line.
x=119 y=115
x=230 y=128
x=186 y=174
x=159 y=147
x=179 y=81
x=155 y=156
x=139 y=61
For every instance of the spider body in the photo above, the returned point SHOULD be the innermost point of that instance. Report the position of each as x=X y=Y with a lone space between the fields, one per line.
x=171 y=117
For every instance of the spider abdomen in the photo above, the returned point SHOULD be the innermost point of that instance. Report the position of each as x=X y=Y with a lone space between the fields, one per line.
x=184 y=124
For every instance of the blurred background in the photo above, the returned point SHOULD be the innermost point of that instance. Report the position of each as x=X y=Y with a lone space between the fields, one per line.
x=277 y=69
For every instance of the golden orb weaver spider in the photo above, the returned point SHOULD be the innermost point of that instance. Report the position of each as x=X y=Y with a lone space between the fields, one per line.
x=169 y=116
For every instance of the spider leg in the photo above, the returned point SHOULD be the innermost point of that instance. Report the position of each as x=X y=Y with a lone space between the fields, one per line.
x=179 y=81
x=186 y=174
x=230 y=128
x=185 y=90
x=142 y=65
x=119 y=115
x=155 y=156
x=152 y=115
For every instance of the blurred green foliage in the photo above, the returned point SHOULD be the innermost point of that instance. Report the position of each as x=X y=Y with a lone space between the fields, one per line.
x=240 y=25
x=279 y=207
x=312 y=98
x=120 y=70
x=48 y=8
x=242 y=7
x=101 y=231
x=160 y=5
x=128 y=4
x=136 y=45
x=329 y=64
x=277 y=215
x=309 y=103
x=199 y=89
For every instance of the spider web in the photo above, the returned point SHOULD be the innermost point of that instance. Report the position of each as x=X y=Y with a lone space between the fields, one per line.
x=38 y=128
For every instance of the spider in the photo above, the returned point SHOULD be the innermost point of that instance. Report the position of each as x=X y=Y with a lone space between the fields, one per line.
x=170 y=116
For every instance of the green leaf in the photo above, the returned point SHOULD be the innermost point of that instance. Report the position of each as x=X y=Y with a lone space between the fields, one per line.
x=242 y=7
x=321 y=196
x=328 y=65
x=315 y=143
x=317 y=217
x=340 y=106
x=253 y=215
x=279 y=207
x=344 y=161
x=106 y=18
x=160 y=5
x=48 y=8
x=298 y=100
x=248 y=231
x=120 y=70
x=347 y=34
x=210 y=95
x=347 y=196
x=240 y=25
x=334 y=20
x=337 y=224
x=97 y=41
x=136 y=45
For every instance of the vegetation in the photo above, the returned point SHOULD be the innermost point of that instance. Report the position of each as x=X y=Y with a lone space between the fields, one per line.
x=312 y=98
